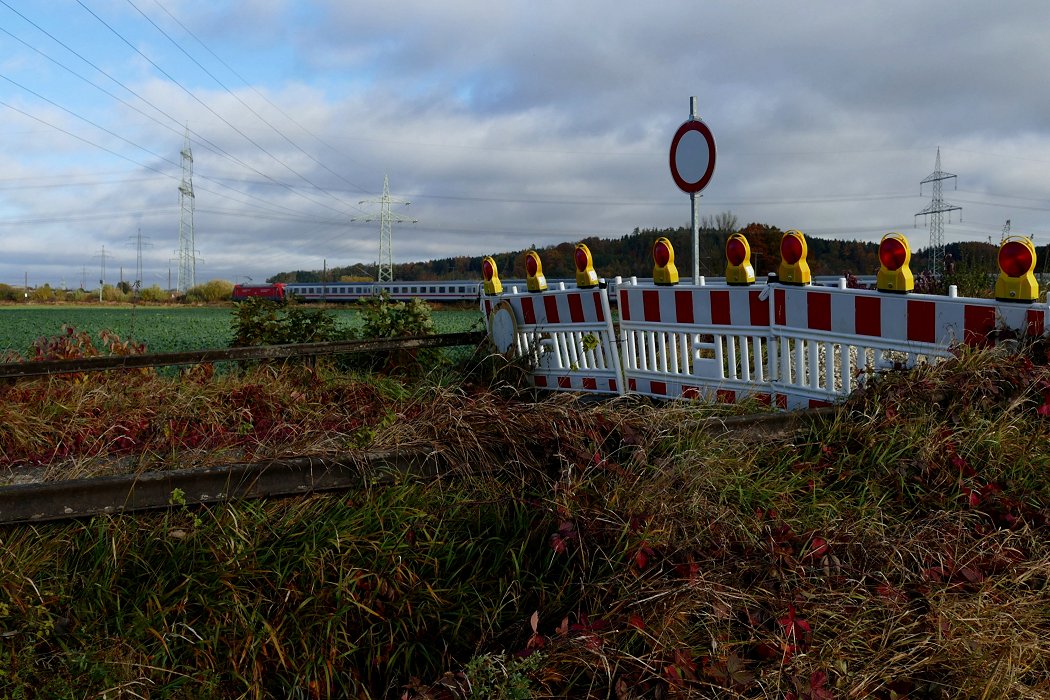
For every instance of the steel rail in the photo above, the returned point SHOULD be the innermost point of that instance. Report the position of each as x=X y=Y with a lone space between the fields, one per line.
x=294 y=476
x=264 y=352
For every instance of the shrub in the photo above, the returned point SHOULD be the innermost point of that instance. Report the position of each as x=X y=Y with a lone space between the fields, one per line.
x=264 y=322
x=210 y=292
x=396 y=319
x=154 y=293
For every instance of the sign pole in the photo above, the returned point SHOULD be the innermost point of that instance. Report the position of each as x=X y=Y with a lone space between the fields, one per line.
x=692 y=161
x=694 y=205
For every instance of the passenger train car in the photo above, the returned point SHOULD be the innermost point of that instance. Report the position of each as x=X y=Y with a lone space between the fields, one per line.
x=444 y=291
x=447 y=291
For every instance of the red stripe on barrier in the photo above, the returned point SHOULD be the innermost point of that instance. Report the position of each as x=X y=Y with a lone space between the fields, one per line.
x=690 y=392
x=612 y=385
x=977 y=322
x=658 y=388
x=759 y=309
x=780 y=307
x=651 y=305
x=528 y=312
x=550 y=305
x=1034 y=322
x=725 y=395
x=782 y=401
x=540 y=380
x=590 y=383
x=632 y=384
x=720 y=315
x=818 y=309
x=564 y=383
x=817 y=403
x=575 y=308
x=764 y=399
x=922 y=317
x=868 y=316
x=683 y=306
x=599 y=313
x=488 y=307
x=625 y=306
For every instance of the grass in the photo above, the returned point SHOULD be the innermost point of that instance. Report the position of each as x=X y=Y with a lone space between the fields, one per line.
x=900 y=548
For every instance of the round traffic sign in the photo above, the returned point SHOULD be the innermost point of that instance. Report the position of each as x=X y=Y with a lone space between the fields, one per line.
x=692 y=156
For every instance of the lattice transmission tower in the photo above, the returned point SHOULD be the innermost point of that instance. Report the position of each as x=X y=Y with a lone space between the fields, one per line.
x=385 y=273
x=936 y=210
x=187 y=253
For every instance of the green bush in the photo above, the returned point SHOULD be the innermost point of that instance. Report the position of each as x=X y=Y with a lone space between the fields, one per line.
x=264 y=322
x=154 y=294
x=8 y=293
x=383 y=318
x=210 y=292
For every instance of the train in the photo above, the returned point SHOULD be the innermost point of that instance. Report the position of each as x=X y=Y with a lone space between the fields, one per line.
x=446 y=291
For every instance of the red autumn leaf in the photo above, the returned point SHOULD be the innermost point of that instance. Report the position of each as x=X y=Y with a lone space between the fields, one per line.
x=635 y=620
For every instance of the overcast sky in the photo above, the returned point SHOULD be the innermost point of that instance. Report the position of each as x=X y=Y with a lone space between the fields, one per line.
x=505 y=124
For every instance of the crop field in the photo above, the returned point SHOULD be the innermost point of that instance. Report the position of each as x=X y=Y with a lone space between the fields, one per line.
x=162 y=329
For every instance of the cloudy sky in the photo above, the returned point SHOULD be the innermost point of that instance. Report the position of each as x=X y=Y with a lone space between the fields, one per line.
x=504 y=124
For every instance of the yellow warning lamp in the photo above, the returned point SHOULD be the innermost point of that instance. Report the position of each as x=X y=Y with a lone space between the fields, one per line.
x=894 y=271
x=586 y=277
x=534 y=278
x=490 y=273
x=738 y=261
x=1016 y=280
x=664 y=271
x=793 y=266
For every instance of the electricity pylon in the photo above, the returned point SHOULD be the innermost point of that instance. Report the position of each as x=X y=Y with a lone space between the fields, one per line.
x=385 y=273
x=187 y=252
x=935 y=209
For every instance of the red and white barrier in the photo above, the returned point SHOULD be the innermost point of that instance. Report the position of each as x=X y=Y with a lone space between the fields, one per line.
x=568 y=335
x=793 y=346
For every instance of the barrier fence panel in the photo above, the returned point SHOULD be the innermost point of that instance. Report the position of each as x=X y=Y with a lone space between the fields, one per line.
x=830 y=338
x=692 y=341
x=792 y=346
x=568 y=336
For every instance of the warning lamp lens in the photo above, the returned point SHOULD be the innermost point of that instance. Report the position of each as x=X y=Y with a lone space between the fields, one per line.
x=486 y=270
x=892 y=254
x=530 y=265
x=1015 y=259
x=791 y=249
x=581 y=259
x=661 y=254
x=735 y=251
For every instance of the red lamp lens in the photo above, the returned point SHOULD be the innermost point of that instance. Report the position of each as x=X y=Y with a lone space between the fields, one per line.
x=486 y=270
x=791 y=249
x=530 y=265
x=581 y=259
x=661 y=254
x=1015 y=259
x=892 y=254
x=735 y=251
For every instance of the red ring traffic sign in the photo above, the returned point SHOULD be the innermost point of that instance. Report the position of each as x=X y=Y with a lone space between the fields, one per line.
x=691 y=153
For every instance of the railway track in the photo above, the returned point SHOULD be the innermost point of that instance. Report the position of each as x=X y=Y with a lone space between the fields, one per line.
x=43 y=502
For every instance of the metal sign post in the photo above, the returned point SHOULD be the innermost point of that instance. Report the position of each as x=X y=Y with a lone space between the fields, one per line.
x=692 y=165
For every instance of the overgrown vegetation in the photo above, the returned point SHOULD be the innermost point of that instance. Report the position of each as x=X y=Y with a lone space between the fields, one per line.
x=898 y=549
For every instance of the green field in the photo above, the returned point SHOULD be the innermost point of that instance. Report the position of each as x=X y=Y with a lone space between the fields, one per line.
x=162 y=328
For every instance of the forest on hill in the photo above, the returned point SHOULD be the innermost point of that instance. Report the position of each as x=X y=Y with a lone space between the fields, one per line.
x=631 y=255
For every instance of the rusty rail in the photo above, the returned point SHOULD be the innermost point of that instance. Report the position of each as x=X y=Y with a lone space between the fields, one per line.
x=265 y=352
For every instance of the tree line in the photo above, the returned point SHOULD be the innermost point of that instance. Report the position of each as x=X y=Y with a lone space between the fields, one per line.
x=631 y=255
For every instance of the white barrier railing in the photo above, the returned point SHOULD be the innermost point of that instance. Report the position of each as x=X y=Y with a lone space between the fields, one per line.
x=568 y=336
x=795 y=346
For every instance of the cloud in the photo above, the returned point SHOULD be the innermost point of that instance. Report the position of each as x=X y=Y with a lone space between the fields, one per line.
x=506 y=125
